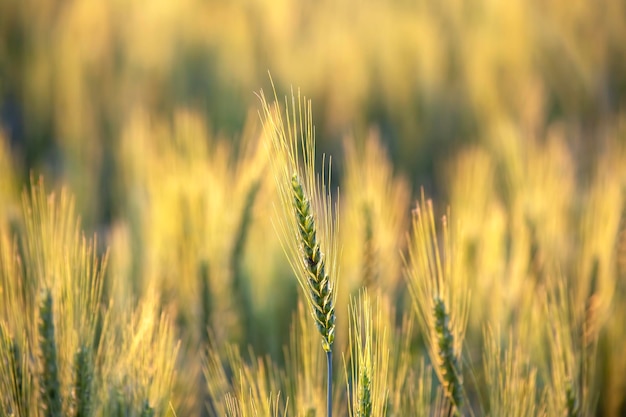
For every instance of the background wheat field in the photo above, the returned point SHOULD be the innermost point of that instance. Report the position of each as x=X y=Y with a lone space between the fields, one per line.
x=430 y=196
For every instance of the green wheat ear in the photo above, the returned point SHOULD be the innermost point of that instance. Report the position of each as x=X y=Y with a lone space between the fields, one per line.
x=12 y=391
x=369 y=271
x=571 y=400
x=365 y=393
x=318 y=282
x=206 y=300
x=305 y=220
x=447 y=360
x=147 y=410
x=50 y=387
x=82 y=394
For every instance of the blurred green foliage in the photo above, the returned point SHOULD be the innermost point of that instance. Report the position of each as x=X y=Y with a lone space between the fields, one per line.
x=432 y=75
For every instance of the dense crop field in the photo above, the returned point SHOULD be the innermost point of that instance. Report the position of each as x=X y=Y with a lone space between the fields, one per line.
x=438 y=228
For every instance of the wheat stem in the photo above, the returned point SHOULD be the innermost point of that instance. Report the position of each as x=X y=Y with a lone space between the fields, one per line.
x=329 y=391
x=240 y=291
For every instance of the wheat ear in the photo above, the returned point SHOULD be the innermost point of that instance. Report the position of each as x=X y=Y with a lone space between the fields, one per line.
x=318 y=281
x=13 y=390
x=305 y=220
x=49 y=379
x=371 y=380
x=509 y=376
x=571 y=400
x=440 y=299
x=146 y=409
x=82 y=394
x=446 y=359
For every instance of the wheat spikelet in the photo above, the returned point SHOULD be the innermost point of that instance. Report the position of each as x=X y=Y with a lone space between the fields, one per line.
x=50 y=388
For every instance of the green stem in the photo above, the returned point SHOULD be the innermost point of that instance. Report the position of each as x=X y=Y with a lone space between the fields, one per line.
x=329 y=400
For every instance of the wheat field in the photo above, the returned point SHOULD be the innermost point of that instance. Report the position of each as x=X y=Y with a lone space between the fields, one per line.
x=420 y=212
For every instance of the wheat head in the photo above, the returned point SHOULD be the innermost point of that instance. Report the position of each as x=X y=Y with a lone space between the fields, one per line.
x=440 y=299
x=304 y=219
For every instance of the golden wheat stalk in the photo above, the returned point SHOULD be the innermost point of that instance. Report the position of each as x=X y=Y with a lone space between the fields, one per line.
x=304 y=219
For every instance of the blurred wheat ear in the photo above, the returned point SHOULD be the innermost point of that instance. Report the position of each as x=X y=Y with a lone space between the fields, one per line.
x=82 y=393
x=375 y=202
x=440 y=299
x=510 y=378
x=370 y=357
x=49 y=385
x=447 y=360
x=14 y=381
